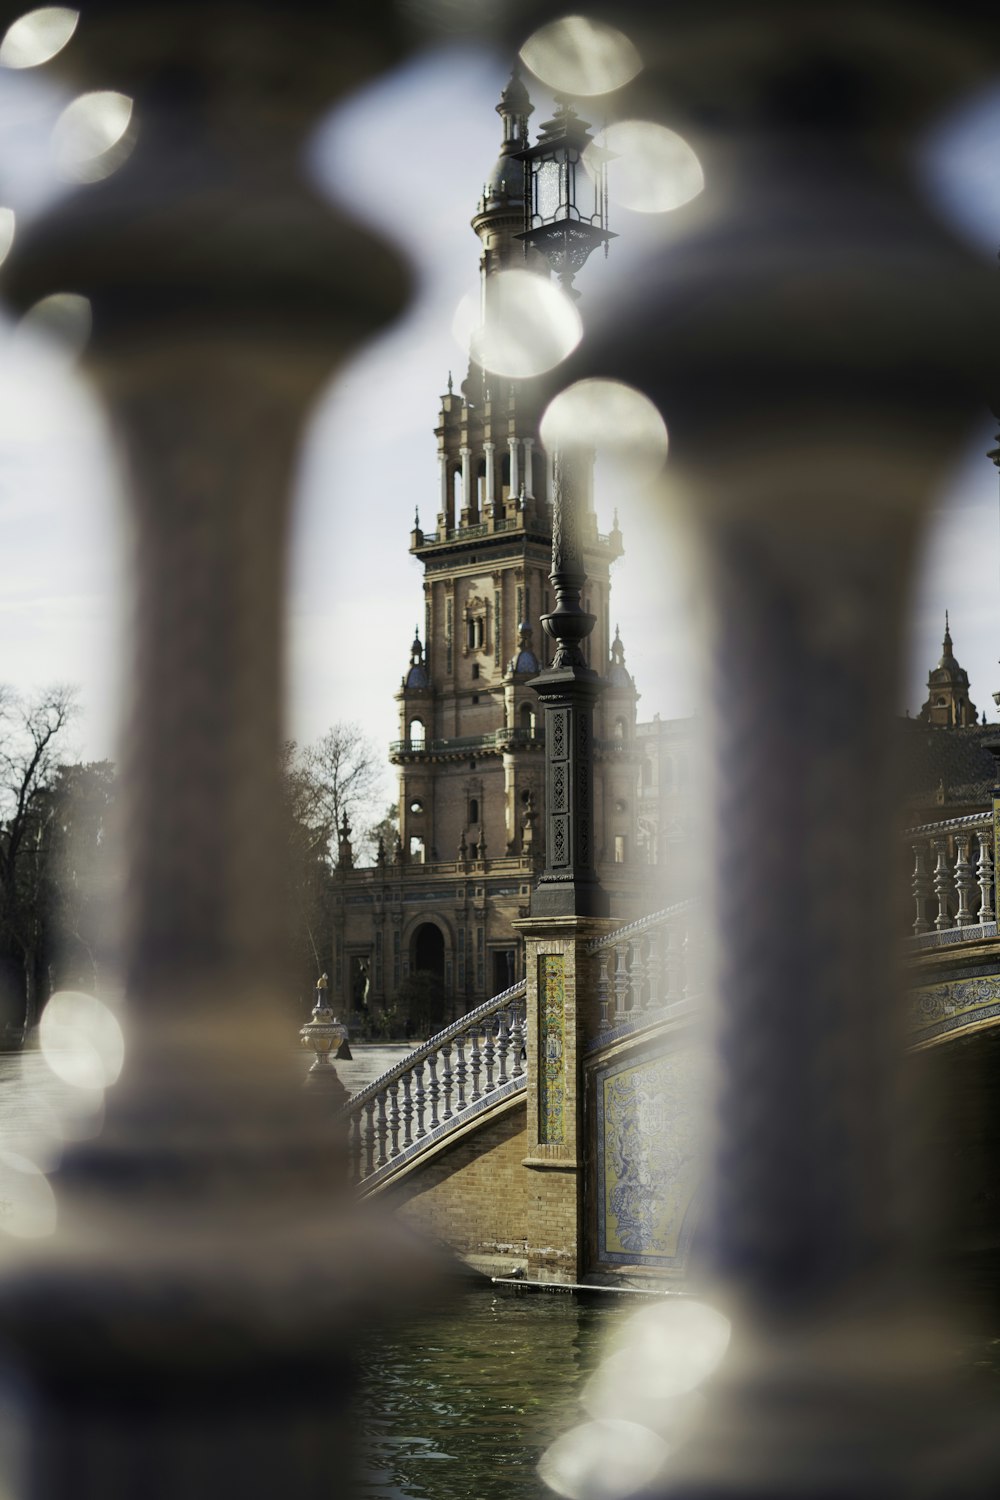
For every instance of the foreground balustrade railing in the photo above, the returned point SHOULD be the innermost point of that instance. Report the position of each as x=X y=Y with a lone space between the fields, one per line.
x=646 y=968
x=455 y=1075
x=953 y=881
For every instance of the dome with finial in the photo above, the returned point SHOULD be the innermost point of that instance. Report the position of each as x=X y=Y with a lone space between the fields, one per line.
x=417 y=676
x=525 y=663
x=618 y=673
x=506 y=181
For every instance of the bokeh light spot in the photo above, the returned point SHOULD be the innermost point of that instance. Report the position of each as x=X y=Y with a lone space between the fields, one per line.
x=6 y=232
x=615 y=420
x=81 y=1040
x=576 y=55
x=679 y=1343
x=62 y=321
x=91 y=138
x=530 y=325
x=37 y=36
x=652 y=169
x=603 y=1460
x=27 y=1202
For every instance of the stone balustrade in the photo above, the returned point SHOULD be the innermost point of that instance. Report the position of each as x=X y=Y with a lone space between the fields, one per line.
x=457 y=1074
x=953 y=880
x=645 y=970
x=643 y=973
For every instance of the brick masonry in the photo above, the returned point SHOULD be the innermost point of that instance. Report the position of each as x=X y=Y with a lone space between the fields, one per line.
x=473 y=1195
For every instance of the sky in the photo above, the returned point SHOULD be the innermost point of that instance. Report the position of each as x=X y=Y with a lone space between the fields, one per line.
x=408 y=156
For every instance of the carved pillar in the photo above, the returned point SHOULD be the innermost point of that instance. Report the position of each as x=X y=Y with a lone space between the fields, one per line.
x=568 y=691
x=161 y=1332
x=488 y=488
x=810 y=433
x=446 y=513
x=468 y=512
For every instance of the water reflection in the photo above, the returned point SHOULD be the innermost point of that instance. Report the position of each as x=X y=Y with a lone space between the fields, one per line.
x=465 y=1404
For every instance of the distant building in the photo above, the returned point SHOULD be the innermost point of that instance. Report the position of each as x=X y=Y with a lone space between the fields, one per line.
x=946 y=770
x=948 y=689
x=437 y=910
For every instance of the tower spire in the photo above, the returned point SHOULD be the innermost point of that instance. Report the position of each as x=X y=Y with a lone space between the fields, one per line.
x=499 y=216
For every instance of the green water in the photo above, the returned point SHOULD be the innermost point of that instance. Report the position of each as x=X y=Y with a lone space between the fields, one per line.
x=462 y=1406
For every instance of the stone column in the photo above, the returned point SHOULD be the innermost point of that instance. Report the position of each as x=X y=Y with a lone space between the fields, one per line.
x=489 y=495
x=811 y=431
x=568 y=691
x=562 y=1017
x=467 y=506
x=446 y=516
x=185 y=1330
x=567 y=906
x=515 y=473
x=528 y=467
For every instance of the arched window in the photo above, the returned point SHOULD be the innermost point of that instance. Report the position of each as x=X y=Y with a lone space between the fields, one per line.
x=473 y=810
x=528 y=717
x=480 y=632
x=417 y=733
x=620 y=729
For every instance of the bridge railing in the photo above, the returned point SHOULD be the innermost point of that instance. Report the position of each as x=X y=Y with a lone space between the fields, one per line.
x=953 y=880
x=646 y=967
x=450 y=1078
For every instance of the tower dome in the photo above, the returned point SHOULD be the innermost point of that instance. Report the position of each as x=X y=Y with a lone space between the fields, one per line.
x=525 y=663
x=618 y=674
x=417 y=676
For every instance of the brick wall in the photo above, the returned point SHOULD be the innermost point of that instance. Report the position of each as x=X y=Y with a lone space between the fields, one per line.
x=473 y=1195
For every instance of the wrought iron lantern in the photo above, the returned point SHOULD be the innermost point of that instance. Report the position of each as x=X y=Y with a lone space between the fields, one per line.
x=566 y=200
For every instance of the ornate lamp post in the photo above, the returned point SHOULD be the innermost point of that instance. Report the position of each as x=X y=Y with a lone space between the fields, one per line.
x=556 y=218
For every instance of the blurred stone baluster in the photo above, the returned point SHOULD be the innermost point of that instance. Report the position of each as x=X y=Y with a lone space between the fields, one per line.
x=819 y=348
x=186 y=1332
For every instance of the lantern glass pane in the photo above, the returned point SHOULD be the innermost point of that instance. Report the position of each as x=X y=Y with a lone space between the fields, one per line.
x=547 y=178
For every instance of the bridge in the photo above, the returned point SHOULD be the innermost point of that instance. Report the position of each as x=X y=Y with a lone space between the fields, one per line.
x=444 y=1135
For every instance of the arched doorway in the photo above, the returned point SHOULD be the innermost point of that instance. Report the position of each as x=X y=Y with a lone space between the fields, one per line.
x=424 y=992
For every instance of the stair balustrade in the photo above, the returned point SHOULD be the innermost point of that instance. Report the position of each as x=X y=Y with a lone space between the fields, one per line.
x=645 y=967
x=386 y=1125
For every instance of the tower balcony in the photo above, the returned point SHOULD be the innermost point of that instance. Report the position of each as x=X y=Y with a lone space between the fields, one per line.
x=461 y=745
x=423 y=543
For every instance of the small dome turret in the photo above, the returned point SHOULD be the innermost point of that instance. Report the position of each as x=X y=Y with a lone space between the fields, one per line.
x=618 y=673
x=417 y=676
x=525 y=663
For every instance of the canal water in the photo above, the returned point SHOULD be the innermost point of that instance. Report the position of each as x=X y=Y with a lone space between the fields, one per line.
x=458 y=1405
x=462 y=1406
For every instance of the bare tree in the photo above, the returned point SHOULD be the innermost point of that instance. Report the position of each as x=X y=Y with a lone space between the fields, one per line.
x=31 y=735
x=345 y=775
x=341 y=773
